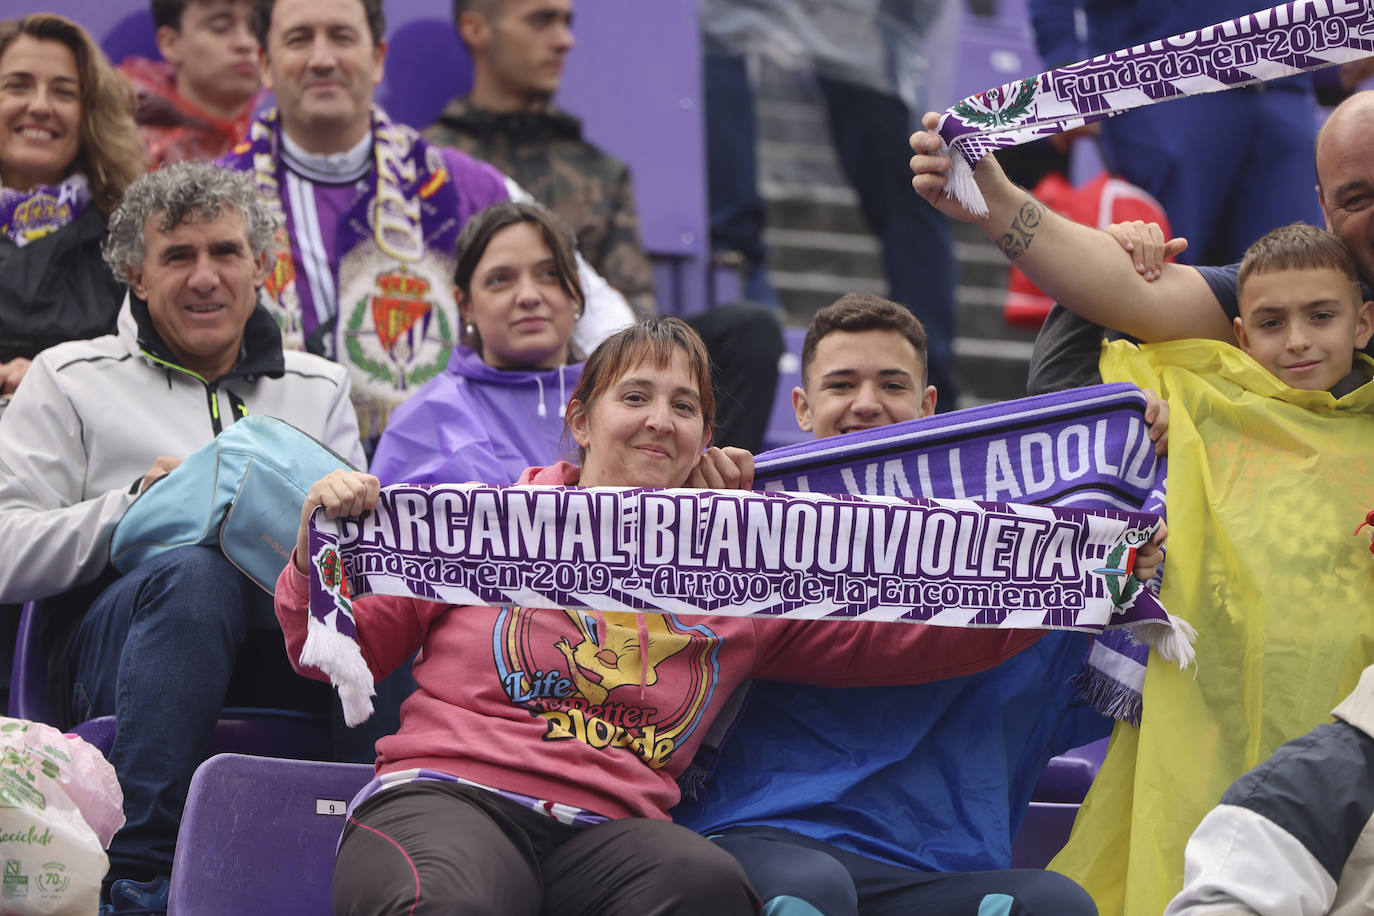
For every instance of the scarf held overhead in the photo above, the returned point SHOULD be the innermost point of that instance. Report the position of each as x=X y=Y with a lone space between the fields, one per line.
x=1264 y=45
x=734 y=553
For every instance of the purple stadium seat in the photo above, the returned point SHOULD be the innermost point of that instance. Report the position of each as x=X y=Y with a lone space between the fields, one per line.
x=426 y=65
x=1044 y=831
x=782 y=421
x=1049 y=819
x=726 y=284
x=130 y=36
x=259 y=834
x=1066 y=778
x=29 y=672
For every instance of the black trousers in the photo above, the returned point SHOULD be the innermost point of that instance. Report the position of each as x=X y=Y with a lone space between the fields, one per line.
x=744 y=342
x=797 y=875
x=431 y=847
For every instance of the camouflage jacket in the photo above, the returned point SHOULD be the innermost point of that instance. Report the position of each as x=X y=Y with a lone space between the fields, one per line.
x=545 y=153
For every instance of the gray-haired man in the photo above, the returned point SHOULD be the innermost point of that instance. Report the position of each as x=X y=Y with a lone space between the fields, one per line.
x=95 y=423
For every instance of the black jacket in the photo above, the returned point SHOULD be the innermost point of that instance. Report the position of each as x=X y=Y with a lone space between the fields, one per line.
x=56 y=288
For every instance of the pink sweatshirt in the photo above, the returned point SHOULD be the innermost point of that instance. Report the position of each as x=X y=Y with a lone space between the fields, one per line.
x=558 y=704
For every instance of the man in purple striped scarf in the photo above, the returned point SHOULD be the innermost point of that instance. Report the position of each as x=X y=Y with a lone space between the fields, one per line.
x=371 y=212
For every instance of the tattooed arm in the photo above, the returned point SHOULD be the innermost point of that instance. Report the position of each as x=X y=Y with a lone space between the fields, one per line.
x=1082 y=268
x=1024 y=224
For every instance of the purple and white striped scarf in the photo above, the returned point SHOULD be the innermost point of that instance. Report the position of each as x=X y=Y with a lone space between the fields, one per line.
x=1264 y=45
x=386 y=311
x=897 y=557
x=1087 y=447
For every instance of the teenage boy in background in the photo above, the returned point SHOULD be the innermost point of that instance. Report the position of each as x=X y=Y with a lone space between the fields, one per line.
x=197 y=101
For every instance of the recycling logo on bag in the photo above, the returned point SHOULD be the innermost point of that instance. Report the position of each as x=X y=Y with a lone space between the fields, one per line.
x=52 y=880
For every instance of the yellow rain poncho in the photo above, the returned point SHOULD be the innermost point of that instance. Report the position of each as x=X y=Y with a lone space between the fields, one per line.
x=1266 y=487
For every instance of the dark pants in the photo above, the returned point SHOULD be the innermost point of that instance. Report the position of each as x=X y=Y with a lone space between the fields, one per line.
x=799 y=876
x=870 y=131
x=442 y=848
x=1227 y=168
x=163 y=649
x=737 y=210
x=745 y=343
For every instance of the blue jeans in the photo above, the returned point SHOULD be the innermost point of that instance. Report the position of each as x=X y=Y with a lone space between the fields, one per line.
x=158 y=649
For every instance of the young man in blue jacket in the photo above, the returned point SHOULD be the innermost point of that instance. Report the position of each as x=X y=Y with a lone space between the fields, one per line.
x=889 y=800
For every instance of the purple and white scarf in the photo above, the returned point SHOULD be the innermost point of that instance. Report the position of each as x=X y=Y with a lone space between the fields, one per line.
x=950 y=562
x=1087 y=447
x=387 y=311
x=1264 y=45
x=26 y=216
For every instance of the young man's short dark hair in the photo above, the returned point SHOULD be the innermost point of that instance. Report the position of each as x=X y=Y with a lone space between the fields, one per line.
x=862 y=312
x=487 y=8
x=168 y=12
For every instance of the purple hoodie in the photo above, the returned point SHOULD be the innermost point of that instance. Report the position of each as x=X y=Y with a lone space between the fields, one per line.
x=476 y=423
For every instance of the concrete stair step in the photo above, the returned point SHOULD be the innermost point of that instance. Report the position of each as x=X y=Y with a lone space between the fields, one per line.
x=818 y=251
x=839 y=214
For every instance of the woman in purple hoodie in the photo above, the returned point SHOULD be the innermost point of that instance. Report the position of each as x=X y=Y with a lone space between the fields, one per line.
x=498 y=407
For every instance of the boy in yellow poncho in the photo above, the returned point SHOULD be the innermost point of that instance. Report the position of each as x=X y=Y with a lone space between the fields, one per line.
x=1271 y=454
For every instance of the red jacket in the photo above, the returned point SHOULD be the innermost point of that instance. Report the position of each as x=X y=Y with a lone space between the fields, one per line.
x=173 y=128
x=557 y=704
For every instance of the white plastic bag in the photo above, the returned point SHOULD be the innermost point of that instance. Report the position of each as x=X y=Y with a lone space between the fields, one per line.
x=60 y=804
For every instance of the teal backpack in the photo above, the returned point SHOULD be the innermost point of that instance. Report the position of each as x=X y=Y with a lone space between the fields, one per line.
x=242 y=492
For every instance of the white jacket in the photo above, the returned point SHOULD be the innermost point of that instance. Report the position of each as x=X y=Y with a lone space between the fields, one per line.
x=1295 y=835
x=93 y=415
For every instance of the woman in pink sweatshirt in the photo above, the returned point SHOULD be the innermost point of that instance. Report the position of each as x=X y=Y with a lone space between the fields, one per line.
x=537 y=759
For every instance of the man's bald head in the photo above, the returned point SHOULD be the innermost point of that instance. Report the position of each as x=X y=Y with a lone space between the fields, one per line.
x=1356 y=109
x=1344 y=155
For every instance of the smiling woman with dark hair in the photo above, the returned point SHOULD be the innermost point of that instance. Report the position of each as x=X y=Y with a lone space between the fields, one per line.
x=68 y=149
x=498 y=406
